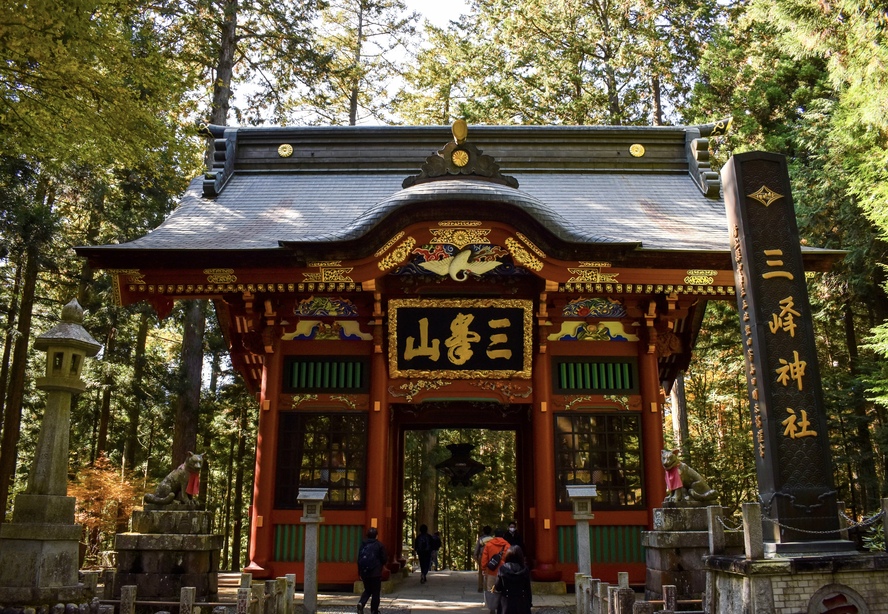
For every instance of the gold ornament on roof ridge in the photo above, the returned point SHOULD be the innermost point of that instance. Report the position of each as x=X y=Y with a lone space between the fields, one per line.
x=285 y=150
x=637 y=150
x=460 y=130
x=460 y=157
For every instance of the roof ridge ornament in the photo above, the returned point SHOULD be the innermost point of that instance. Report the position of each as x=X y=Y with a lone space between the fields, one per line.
x=697 y=149
x=460 y=158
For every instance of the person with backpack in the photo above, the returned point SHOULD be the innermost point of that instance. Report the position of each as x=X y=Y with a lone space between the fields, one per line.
x=423 y=546
x=513 y=583
x=371 y=559
x=491 y=560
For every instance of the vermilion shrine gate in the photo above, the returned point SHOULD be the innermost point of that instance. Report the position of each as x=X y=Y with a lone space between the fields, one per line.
x=369 y=285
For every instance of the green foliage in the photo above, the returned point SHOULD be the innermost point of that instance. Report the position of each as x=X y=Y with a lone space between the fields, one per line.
x=720 y=445
x=571 y=62
x=462 y=510
x=874 y=540
x=361 y=40
x=86 y=81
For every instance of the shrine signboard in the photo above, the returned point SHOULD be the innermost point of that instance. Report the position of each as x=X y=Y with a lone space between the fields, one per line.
x=460 y=339
x=791 y=441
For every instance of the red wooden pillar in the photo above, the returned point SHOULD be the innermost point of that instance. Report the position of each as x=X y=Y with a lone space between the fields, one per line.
x=378 y=440
x=261 y=527
x=544 y=462
x=651 y=431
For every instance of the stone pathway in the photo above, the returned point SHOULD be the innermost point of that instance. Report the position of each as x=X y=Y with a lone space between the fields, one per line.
x=446 y=591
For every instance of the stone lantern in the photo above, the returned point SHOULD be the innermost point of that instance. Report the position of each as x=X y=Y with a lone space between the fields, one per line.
x=39 y=549
x=581 y=498
x=312 y=500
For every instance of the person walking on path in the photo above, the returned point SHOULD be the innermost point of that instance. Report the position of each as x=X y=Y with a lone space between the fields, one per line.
x=513 y=584
x=491 y=560
x=371 y=559
x=436 y=546
x=486 y=536
x=514 y=537
x=423 y=546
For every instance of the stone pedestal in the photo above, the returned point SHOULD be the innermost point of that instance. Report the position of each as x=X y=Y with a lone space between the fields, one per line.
x=39 y=552
x=839 y=583
x=674 y=552
x=166 y=551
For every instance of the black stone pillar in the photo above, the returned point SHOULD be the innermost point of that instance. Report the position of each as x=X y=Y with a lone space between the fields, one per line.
x=793 y=461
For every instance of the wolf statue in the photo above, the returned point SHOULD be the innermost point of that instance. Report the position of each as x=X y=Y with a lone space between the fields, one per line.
x=684 y=486
x=181 y=485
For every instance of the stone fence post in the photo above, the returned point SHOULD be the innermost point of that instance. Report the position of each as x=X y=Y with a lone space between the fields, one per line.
x=716 y=529
x=600 y=600
x=670 y=597
x=885 y=521
x=186 y=599
x=246 y=580
x=291 y=593
x=612 y=600
x=243 y=600
x=753 y=539
x=625 y=600
x=128 y=599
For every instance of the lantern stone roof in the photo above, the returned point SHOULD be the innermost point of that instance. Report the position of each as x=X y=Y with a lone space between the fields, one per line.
x=275 y=190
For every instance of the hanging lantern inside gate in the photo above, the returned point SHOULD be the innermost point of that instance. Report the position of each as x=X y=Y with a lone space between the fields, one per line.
x=460 y=467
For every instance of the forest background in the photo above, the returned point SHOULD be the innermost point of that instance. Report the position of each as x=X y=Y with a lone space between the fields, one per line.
x=100 y=103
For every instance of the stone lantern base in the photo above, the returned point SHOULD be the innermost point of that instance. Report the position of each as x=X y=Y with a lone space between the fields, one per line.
x=39 y=553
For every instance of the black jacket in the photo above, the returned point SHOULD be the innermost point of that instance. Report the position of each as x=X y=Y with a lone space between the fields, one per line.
x=513 y=583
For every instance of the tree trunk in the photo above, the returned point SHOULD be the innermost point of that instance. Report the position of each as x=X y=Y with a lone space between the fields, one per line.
x=224 y=72
x=237 y=524
x=188 y=399
x=226 y=512
x=107 y=387
x=680 y=415
x=12 y=418
x=428 y=486
x=9 y=339
x=658 y=103
x=138 y=394
x=868 y=482
x=356 y=75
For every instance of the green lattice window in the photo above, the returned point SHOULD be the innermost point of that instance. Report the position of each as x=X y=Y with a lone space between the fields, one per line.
x=574 y=376
x=320 y=374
